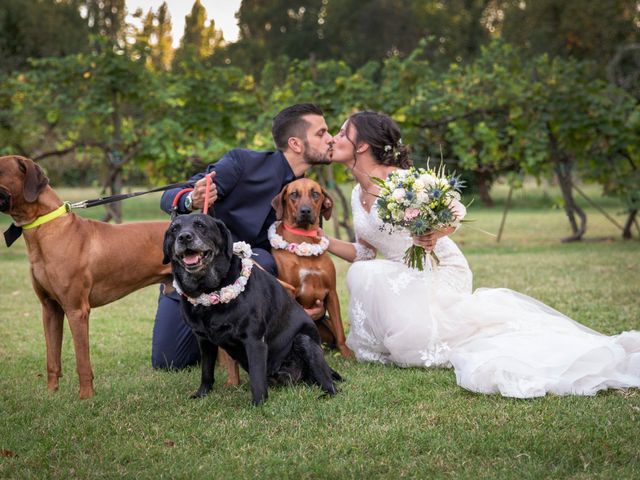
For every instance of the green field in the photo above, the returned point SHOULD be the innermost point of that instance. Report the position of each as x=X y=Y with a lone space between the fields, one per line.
x=386 y=422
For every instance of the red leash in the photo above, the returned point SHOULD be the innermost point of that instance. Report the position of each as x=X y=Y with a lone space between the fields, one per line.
x=205 y=209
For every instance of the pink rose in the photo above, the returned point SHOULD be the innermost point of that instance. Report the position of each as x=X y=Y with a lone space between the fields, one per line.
x=458 y=209
x=292 y=247
x=411 y=213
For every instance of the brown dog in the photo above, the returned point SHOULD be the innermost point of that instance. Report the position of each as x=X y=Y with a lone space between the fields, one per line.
x=77 y=263
x=307 y=268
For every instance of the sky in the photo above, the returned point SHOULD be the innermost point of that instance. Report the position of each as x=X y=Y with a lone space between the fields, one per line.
x=221 y=11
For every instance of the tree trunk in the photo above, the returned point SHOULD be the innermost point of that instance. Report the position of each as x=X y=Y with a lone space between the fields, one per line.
x=325 y=178
x=563 y=172
x=114 y=161
x=626 y=233
x=563 y=169
x=483 y=183
x=114 y=185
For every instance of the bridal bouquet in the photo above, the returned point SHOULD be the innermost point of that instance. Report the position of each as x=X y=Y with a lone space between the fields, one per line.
x=420 y=200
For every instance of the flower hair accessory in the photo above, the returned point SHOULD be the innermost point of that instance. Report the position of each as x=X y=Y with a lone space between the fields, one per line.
x=230 y=292
x=395 y=149
x=301 y=249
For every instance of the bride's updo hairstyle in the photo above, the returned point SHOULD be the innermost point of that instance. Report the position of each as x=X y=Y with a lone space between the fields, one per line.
x=382 y=135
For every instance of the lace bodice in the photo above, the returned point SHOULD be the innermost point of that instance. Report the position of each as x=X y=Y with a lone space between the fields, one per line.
x=369 y=227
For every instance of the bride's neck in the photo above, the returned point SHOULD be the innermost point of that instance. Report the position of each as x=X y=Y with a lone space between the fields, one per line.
x=364 y=169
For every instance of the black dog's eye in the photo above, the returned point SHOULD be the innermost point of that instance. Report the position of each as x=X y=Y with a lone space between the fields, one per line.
x=174 y=228
x=200 y=225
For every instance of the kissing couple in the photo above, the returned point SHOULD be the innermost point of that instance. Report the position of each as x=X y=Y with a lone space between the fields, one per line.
x=496 y=340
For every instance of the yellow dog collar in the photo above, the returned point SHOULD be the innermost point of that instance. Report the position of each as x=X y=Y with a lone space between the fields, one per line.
x=58 y=212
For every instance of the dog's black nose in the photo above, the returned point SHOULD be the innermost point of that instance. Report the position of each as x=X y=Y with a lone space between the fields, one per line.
x=305 y=210
x=5 y=201
x=185 y=237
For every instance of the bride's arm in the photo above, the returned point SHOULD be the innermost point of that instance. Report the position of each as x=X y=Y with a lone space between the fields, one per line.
x=351 y=252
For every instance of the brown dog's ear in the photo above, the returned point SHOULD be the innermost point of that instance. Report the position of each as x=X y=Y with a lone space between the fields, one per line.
x=327 y=205
x=278 y=203
x=34 y=179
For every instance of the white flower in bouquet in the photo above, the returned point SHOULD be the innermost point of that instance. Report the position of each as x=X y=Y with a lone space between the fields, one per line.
x=398 y=194
x=428 y=180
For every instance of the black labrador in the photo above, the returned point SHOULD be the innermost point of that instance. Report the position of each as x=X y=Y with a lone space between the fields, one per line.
x=264 y=329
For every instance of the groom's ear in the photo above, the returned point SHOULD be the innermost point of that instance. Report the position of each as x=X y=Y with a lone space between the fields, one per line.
x=327 y=205
x=278 y=203
x=295 y=144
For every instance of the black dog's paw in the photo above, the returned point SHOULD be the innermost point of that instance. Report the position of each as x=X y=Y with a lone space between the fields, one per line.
x=327 y=395
x=257 y=401
x=201 y=392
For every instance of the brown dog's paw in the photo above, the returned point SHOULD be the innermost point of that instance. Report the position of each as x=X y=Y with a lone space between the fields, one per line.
x=86 y=392
x=346 y=351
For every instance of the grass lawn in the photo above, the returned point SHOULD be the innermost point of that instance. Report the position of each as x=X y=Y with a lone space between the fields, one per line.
x=387 y=422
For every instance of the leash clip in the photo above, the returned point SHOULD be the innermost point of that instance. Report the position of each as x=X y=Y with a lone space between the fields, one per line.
x=82 y=204
x=176 y=199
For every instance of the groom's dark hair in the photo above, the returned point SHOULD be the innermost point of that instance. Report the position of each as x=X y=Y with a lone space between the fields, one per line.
x=289 y=123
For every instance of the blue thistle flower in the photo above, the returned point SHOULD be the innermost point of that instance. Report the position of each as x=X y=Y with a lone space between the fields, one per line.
x=435 y=193
x=456 y=183
x=419 y=226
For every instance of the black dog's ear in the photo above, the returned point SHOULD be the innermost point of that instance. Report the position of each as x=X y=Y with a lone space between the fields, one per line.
x=224 y=232
x=34 y=179
x=167 y=245
x=327 y=205
x=278 y=203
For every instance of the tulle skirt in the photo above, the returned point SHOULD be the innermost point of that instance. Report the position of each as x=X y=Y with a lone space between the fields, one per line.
x=497 y=340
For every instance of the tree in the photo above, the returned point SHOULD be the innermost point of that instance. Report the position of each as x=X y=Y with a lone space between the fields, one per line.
x=199 y=39
x=581 y=29
x=106 y=18
x=156 y=33
x=38 y=29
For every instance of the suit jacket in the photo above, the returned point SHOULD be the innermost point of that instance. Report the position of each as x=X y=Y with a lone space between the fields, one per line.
x=247 y=181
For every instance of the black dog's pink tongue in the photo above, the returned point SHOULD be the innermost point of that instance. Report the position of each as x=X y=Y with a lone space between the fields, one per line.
x=191 y=259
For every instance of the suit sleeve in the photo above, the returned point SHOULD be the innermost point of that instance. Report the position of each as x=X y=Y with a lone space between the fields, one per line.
x=228 y=171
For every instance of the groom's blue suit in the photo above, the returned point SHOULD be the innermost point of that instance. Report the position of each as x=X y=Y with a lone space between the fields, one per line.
x=246 y=181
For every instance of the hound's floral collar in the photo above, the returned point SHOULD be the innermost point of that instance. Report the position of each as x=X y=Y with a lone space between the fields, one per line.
x=301 y=249
x=230 y=292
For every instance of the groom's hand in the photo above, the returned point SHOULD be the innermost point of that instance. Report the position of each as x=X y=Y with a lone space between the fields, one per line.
x=200 y=190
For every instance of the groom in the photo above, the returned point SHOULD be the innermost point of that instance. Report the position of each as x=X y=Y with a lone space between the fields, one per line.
x=244 y=183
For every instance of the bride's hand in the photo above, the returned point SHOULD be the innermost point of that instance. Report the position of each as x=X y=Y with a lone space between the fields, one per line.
x=428 y=240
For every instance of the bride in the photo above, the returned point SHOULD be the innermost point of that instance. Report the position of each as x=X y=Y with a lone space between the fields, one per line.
x=497 y=340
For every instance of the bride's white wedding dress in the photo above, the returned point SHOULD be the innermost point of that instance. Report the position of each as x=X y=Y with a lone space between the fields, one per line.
x=497 y=340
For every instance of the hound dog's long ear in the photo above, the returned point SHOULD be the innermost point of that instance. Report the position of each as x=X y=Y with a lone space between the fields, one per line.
x=327 y=205
x=278 y=203
x=167 y=245
x=224 y=231
x=34 y=179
